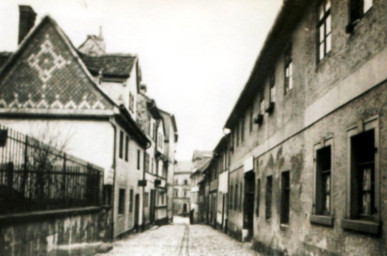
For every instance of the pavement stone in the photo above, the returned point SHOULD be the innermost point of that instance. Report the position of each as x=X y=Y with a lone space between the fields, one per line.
x=180 y=239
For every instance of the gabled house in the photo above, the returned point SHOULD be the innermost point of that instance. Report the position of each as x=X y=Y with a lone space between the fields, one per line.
x=49 y=89
x=159 y=159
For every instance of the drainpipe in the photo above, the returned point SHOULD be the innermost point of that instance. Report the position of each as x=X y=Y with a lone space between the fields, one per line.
x=114 y=172
x=143 y=187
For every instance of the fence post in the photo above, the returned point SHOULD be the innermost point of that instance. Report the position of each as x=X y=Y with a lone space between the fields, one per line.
x=64 y=179
x=10 y=175
x=25 y=171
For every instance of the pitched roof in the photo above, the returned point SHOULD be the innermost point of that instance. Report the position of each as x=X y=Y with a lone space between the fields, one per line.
x=201 y=154
x=111 y=65
x=287 y=18
x=46 y=75
x=45 y=72
x=184 y=166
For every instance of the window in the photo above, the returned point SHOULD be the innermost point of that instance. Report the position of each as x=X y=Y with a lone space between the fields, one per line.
x=146 y=199
x=242 y=129
x=146 y=162
x=258 y=196
x=236 y=204
x=231 y=197
x=269 y=184
x=285 y=197
x=324 y=29
x=185 y=182
x=121 y=145
x=272 y=87
x=121 y=201
x=175 y=192
x=241 y=197
x=126 y=148
x=251 y=118
x=288 y=70
x=323 y=181
x=363 y=173
x=363 y=197
x=262 y=105
x=138 y=159
x=237 y=135
x=131 y=200
x=131 y=102
x=358 y=8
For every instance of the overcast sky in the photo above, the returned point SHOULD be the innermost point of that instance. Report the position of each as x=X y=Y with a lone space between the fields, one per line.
x=195 y=55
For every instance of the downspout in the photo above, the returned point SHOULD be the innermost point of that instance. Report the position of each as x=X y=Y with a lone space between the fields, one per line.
x=143 y=187
x=114 y=173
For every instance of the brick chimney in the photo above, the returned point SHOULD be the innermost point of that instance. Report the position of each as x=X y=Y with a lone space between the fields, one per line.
x=26 y=21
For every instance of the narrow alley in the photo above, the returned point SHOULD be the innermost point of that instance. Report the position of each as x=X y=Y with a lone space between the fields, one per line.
x=180 y=239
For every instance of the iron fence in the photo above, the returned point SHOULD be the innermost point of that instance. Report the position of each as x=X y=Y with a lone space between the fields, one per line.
x=36 y=176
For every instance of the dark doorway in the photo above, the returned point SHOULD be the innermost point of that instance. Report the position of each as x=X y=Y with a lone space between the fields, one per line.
x=223 y=209
x=184 y=209
x=136 y=210
x=248 y=206
x=152 y=206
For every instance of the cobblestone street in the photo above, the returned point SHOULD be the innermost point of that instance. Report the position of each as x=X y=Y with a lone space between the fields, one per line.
x=180 y=239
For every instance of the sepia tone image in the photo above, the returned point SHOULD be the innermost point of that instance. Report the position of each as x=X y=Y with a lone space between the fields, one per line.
x=193 y=127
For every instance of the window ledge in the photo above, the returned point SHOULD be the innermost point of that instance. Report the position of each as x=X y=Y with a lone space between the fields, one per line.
x=324 y=220
x=284 y=226
x=362 y=226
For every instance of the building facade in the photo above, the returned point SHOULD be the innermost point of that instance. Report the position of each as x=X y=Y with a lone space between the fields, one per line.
x=308 y=137
x=54 y=92
x=160 y=127
x=201 y=161
x=182 y=188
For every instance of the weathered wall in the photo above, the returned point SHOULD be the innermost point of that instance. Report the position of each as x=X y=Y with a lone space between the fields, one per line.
x=300 y=237
x=45 y=234
x=127 y=177
x=327 y=97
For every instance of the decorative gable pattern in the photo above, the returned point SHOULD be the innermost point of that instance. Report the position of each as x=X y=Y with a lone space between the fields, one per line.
x=46 y=74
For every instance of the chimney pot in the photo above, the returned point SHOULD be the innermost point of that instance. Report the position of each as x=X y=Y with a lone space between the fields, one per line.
x=27 y=18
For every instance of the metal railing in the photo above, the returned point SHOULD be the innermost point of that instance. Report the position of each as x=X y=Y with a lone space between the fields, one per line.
x=35 y=176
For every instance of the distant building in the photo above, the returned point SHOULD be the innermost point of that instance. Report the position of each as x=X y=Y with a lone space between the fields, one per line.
x=94 y=45
x=200 y=160
x=182 y=188
x=159 y=159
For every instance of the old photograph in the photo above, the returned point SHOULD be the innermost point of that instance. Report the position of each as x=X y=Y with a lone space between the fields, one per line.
x=193 y=127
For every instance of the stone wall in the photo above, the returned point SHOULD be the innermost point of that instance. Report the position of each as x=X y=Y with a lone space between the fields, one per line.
x=58 y=232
